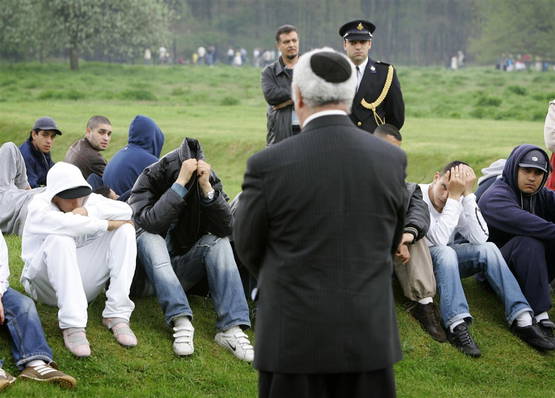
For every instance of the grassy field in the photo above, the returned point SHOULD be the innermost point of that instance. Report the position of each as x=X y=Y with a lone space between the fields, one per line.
x=477 y=115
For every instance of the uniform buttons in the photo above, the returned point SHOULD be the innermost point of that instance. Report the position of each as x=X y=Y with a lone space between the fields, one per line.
x=359 y=124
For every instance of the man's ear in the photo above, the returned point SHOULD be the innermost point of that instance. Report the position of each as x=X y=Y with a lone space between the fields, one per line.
x=437 y=176
x=298 y=97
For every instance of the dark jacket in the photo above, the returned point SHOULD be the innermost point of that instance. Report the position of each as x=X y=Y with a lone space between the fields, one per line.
x=391 y=110
x=145 y=143
x=158 y=209
x=276 y=86
x=88 y=159
x=37 y=164
x=317 y=223
x=417 y=215
x=509 y=212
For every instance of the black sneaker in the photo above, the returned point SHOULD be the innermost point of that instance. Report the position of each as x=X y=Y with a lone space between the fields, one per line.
x=428 y=318
x=461 y=338
x=547 y=327
x=534 y=336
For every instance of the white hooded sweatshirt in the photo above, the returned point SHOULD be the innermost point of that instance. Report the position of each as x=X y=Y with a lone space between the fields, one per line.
x=45 y=218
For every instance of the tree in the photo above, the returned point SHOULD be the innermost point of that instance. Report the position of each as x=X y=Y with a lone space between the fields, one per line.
x=114 y=27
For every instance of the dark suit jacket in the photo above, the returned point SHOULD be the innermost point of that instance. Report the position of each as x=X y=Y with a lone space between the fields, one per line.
x=391 y=110
x=319 y=217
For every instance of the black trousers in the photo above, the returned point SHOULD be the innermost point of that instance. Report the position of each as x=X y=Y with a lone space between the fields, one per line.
x=532 y=262
x=376 y=384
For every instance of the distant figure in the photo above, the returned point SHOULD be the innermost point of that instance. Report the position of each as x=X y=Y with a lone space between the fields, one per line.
x=460 y=58
x=85 y=153
x=322 y=256
x=36 y=150
x=162 y=54
x=144 y=145
x=281 y=120
x=230 y=55
x=201 y=55
x=148 y=56
x=454 y=62
x=378 y=98
x=237 y=59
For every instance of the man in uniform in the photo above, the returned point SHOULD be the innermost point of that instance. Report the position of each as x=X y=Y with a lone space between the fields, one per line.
x=378 y=97
x=276 y=86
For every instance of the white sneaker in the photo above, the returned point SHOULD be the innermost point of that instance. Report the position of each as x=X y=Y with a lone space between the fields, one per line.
x=236 y=341
x=183 y=337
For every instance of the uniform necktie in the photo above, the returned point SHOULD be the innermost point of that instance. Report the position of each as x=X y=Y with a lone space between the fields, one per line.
x=358 y=76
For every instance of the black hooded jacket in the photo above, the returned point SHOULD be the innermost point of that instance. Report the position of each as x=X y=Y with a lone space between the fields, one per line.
x=158 y=209
x=509 y=212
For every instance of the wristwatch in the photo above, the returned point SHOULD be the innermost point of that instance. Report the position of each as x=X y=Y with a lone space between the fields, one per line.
x=210 y=195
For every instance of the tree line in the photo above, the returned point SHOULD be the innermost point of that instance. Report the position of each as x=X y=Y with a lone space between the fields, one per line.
x=410 y=32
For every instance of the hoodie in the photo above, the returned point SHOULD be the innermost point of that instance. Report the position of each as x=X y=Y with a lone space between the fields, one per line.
x=509 y=212
x=144 y=146
x=45 y=218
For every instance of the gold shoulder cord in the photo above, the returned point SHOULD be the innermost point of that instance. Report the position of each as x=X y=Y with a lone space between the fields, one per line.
x=374 y=105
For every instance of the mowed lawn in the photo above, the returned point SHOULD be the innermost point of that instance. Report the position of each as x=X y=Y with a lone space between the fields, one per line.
x=224 y=108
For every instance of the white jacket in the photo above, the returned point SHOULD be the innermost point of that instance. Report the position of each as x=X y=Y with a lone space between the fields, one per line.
x=4 y=267
x=549 y=127
x=45 y=218
x=462 y=216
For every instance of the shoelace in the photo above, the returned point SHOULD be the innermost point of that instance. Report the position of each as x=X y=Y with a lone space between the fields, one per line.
x=464 y=337
x=243 y=340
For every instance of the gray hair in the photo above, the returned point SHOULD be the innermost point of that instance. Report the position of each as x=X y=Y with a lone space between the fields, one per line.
x=317 y=91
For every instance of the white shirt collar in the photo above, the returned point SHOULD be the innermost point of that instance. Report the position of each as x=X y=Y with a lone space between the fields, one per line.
x=362 y=67
x=323 y=113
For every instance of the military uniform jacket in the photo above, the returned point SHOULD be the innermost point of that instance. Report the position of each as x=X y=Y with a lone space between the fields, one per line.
x=318 y=221
x=391 y=110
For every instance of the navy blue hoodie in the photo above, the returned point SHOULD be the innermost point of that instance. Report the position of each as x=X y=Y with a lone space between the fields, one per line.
x=145 y=143
x=509 y=212
x=36 y=162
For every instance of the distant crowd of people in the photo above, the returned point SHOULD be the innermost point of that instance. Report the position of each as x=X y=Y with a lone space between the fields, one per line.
x=510 y=63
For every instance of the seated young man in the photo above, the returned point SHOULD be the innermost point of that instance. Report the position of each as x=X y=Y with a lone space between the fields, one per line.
x=413 y=264
x=520 y=213
x=15 y=192
x=453 y=209
x=31 y=352
x=144 y=145
x=180 y=204
x=36 y=150
x=73 y=243
x=85 y=153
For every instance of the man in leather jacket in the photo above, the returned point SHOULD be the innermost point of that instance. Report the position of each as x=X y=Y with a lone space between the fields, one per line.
x=180 y=204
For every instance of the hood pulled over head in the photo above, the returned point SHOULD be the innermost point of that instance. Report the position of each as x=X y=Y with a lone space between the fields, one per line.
x=62 y=177
x=145 y=133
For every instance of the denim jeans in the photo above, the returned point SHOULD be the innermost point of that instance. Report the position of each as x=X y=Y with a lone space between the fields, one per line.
x=23 y=323
x=211 y=258
x=451 y=263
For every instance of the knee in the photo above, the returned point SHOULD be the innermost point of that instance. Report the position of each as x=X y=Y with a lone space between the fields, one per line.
x=528 y=243
x=60 y=242
x=20 y=304
x=126 y=231
x=444 y=256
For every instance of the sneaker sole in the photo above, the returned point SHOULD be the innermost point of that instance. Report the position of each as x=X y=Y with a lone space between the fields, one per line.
x=7 y=384
x=64 y=382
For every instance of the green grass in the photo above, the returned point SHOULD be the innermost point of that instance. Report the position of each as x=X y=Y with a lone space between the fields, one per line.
x=224 y=108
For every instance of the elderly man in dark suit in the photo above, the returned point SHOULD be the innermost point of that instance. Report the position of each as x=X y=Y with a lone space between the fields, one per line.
x=378 y=97
x=320 y=215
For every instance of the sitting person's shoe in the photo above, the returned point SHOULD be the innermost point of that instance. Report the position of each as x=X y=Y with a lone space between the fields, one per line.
x=534 y=336
x=76 y=342
x=547 y=327
x=461 y=338
x=48 y=373
x=183 y=337
x=428 y=318
x=121 y=330
x=6 y=379
x=236 y=341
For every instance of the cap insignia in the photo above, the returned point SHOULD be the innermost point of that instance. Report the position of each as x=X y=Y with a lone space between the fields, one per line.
x=360 y=27
x=535 y=159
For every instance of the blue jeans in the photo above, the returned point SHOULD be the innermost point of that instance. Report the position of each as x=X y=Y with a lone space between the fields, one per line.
x=23 y=323
x=451 y=263
x=211 y=258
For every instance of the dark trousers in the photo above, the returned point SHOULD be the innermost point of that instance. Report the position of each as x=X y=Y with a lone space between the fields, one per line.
x=378 y=384
x=532 y=262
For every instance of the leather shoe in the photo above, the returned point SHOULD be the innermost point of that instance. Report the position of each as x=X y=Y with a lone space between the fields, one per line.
x=462 y=340
x=428 y=318
x=547 y=327
x=534 y=336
